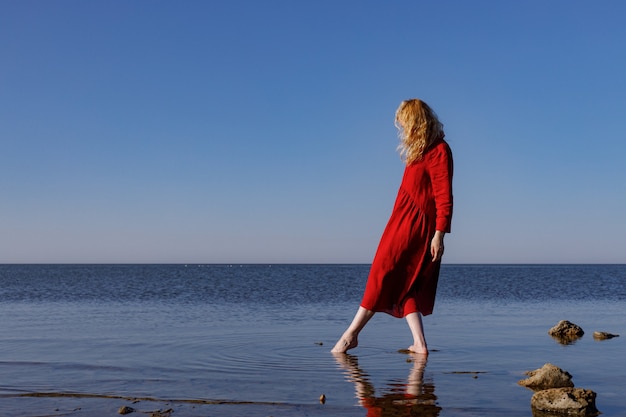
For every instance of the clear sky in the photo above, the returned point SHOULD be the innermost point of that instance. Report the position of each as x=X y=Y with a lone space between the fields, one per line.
x=262 y=131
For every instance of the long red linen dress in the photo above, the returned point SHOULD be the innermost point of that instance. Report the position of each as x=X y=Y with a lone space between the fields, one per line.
x=403 y=278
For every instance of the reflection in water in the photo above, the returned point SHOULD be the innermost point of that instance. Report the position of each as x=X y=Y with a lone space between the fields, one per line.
x=413 y=398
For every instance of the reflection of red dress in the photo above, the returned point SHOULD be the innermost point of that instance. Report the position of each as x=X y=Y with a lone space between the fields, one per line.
x=403 y=278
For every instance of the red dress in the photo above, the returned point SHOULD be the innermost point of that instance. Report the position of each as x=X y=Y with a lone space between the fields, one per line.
x=403 y=278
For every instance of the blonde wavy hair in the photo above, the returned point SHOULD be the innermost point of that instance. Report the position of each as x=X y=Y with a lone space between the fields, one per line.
x=418 y=127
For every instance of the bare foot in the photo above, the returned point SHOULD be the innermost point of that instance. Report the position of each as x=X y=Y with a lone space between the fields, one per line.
x=345 y=343
x=420 y=350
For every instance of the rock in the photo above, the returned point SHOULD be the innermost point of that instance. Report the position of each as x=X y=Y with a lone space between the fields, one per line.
x=567 y=401
x=125 y=410
x=548 y=376
x=566 y=332
x=604 y=335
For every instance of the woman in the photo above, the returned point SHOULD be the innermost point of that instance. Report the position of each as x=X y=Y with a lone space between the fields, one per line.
x=403 y=276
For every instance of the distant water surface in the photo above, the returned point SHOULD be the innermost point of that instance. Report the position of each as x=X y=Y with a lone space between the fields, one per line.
x=253 y=340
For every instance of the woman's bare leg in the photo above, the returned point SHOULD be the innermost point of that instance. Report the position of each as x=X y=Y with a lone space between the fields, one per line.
x=416 y=377
x=349 y=339
x=417 y=329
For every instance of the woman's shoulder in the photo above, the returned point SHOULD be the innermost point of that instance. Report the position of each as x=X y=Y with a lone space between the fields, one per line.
x=439 y=149
x=441 y=143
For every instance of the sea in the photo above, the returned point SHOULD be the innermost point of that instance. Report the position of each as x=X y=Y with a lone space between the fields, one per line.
x=255 y=340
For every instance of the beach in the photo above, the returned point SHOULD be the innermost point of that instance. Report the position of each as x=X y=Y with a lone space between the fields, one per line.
x=255 y=341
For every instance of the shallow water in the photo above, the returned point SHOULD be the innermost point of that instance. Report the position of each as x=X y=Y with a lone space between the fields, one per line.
x=255 y=340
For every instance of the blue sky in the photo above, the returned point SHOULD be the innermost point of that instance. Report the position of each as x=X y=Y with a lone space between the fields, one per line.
x=262 y=131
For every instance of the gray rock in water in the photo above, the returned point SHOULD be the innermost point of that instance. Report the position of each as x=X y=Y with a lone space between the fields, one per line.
x=604 y=335
x=566 y=332
x=125 y=410
x=566 y=401
x=548 y=376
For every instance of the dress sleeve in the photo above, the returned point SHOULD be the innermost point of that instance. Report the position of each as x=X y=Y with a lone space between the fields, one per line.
x=441 y=169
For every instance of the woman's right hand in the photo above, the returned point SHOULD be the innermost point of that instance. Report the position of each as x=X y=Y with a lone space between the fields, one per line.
x=436 y=246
